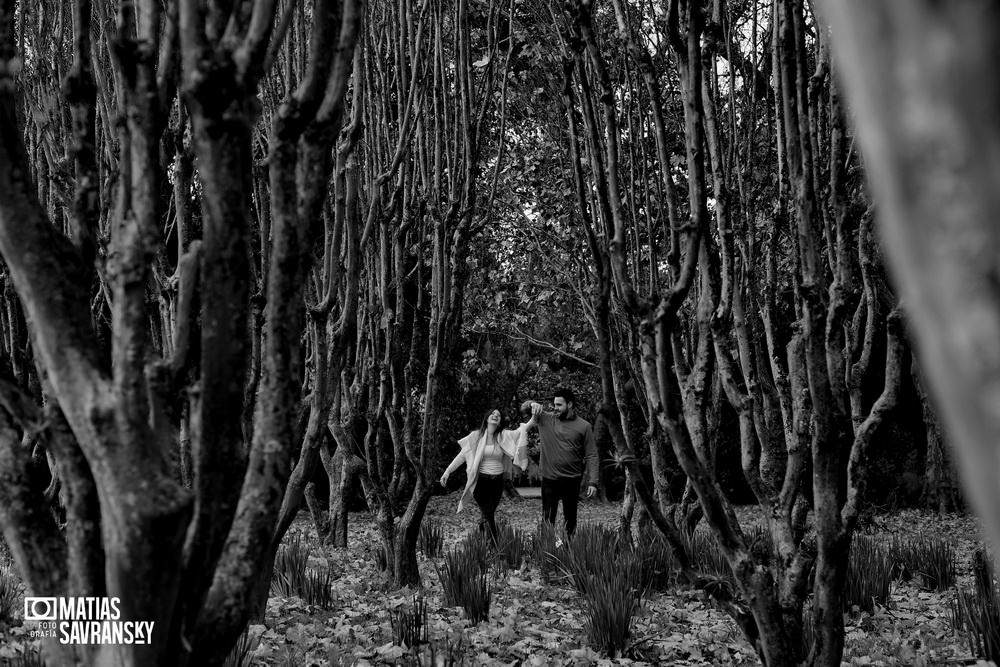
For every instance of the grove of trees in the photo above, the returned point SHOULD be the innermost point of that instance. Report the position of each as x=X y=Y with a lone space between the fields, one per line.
x=248 y=244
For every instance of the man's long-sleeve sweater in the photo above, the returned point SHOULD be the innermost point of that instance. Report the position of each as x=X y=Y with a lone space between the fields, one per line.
x=565 y=445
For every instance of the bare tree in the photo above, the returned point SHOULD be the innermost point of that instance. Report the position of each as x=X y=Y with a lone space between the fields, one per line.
x=189 y=559
x=711 y=310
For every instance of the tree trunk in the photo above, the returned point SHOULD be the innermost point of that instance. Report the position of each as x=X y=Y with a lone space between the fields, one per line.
x=320 y=514
x=343 y=467
x=627 y=511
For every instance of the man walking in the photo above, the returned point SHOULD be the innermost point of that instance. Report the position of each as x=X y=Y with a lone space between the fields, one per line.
x=567 y=440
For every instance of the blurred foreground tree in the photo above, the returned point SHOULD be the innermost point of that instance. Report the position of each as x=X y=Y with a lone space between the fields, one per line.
x=921 y=79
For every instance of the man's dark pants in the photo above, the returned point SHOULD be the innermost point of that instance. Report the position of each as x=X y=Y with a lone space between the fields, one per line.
x=566 y=489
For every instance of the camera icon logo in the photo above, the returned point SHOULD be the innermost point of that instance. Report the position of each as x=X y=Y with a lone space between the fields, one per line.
x=39 y=609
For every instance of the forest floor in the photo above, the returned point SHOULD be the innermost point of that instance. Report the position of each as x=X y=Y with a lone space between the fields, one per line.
x=537 y=622
x=532 y=622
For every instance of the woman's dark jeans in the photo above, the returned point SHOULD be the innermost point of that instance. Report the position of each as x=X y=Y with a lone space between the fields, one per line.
x=489 y=490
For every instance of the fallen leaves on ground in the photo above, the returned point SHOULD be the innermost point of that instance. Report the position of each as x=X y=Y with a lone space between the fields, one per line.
x=538 y=622
x=533 y=622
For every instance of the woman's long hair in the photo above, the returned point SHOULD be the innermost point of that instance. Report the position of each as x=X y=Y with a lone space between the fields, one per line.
x=500 y=426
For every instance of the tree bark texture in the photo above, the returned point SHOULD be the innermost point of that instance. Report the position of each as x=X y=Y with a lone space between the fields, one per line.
x=804 y=423
x=125 y=394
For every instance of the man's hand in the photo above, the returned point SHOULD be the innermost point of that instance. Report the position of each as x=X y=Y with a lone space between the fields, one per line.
x=444 y=479
x=591 y=491
x=536 y=409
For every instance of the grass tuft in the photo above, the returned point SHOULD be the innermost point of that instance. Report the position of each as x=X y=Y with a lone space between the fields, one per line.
x=288 y=578
x=659 y=566
x=513 y=544
x=928 y=560
x=317 y=588
x=409 y=624
x=240 y=655
x=977 y=611
x=869 y=574
x=611 y=576
x=292 y=576
x=431 y=538
x=463 y=575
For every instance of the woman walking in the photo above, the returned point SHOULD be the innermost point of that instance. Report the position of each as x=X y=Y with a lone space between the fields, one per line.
x=487 y=453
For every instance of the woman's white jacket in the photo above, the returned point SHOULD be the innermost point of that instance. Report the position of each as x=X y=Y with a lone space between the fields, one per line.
x=513 y=443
